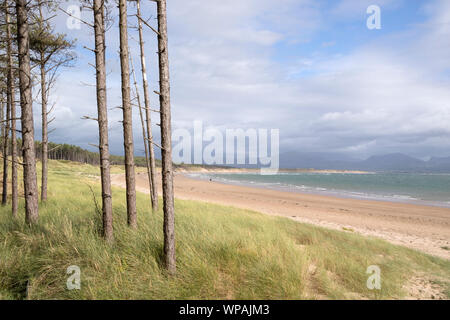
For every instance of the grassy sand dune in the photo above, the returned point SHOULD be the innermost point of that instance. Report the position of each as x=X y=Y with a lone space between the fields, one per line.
x=222 y=252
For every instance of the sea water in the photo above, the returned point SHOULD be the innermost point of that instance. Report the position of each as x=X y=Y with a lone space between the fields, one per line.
x=428 y=189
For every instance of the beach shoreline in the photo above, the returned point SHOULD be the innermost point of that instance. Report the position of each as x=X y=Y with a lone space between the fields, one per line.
x=420 y=227
x=221 y=177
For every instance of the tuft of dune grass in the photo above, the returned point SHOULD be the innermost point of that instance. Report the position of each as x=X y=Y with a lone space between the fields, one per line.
x=222 y=252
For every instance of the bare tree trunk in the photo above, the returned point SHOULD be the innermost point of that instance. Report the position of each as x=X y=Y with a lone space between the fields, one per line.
x=166 y=141
x=99 y=27
x=44 y=154
x=153 y=185
x=5 y=147
x=127 y=117
x=14 y=175
x=12 y=97
x=26 y=102
x=2 y=118
x=144 y=134
x=5 y=150
x=11 y=93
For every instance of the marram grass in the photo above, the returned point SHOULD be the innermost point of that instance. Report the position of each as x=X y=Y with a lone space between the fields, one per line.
x=222 y=252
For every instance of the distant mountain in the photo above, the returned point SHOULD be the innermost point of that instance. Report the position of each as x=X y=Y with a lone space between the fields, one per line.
x=315 y=160
x=392 y=162
x=439 y=164
x=397 y=162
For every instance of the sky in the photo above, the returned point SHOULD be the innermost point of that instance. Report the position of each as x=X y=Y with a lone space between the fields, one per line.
x=310 y=68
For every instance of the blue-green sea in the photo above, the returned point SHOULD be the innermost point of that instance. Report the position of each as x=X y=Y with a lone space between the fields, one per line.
x=428 y=189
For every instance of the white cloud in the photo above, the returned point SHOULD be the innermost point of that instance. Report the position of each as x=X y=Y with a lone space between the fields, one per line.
x=390 y=94
x=346 y=9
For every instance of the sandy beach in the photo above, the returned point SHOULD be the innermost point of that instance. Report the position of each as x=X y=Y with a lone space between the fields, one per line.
x=424 y=228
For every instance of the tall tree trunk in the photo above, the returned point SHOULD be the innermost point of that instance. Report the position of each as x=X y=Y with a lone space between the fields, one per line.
x=100 y=63
x=153 y=185
x=12 y=98
x=2 y=118
x=5 y=149
x=44 y=153
x=14 y=175
x=11 y=114
x=26 y=102
x=166 y=141
x=127 y=117
x=144 y=133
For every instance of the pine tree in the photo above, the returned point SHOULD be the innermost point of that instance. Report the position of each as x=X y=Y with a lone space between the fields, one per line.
x=26 y=103
x=166 y=140
x=49 y=51
x=11 y=85
x=148 y=121
x=127 y=117
x=100 y=65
